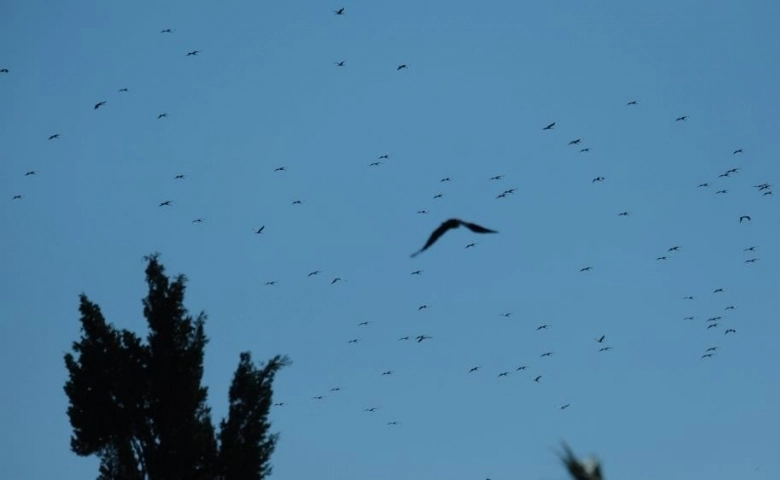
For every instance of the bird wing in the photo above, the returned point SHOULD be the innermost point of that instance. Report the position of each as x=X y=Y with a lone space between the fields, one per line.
x=449 y=224
x=477 y=228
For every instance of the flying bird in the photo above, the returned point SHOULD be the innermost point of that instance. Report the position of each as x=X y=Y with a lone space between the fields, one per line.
x=473 y=369
x=340 y=11
x=52 y=137
x=280 y=169
x=624 y=214
x=100 y=104
x=632 y=102
x=704 y=185
x=751 y=260
x=730 y=330
x=167 y=30
x=739 y=150
x=721 y=191
x=260 y=230
x=542 y=327
x=718 y=290
x=273 y=282
x=750 y=249
x=744 y=217
x=401 y=67
x=549 y=127
x=315 y=272
x=605 y=349
x=576 y=141
x=597 y=179
x=601 y=338
x=539 y=377
x=17 y=197
x=192 y=53
x=198 y=220
x=497 y=177
x=179 y=177
x=122 y=90
x=503 y=374
x=676 y=248
x=3 y=70
x=417 y=272
x=707 y=355
x=31 y=172
x=337 y=279
x=372 y=409
x=162 y=115
x=564 y=407
x=297 y=202
x=166 y=203
x=420 y=338
x=470 y=245
x=438 y=195
x=546 y=354
x=448 y=225
x=340 y=64
x=586 y=269
x=521 y=367
x=681 y=119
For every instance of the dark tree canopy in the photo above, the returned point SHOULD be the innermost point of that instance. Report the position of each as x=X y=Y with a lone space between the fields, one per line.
x=140 y=406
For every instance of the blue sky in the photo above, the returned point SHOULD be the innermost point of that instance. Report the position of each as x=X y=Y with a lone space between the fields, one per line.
x=482 y=81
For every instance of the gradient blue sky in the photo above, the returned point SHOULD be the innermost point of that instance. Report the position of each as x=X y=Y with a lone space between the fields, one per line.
x=483 y=80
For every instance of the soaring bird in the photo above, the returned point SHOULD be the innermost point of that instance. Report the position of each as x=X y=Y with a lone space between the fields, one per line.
x=538 y=377
x=167 y=30
x=601 y=338
x=17 y=197
x=273 y=282
x=586 y=269
x=123 y=90
x=52 y=137
x=31 y=172
x=384 y=157
x=718 y=290
x=179 y=177
x=564 y=407
x=3 y=70
x=675 y=248
x=744 y=217
x=681 y=119
x=417 y=272
x=585 y=150
x=473 y=369
x=739 y=150
x=438 y=195
x=751 y=260
x=166 y=203
x=260 y=230
x=704 y=185
x=521 y=367
x=542 y=327
x=471 y=245
x=280 y=169
x=372 y=409
x=546 y=354
x=549 y=127
x=624 y=214
x=496 y=177
x=722 y=191
x=503 y=374
x=730 y=330
x=100 y=104
x=337 y=279
x=576 y=141
x=402 y=66
x=448 y=225
x=605 y=349
x=632 y=102
x=363 y=324
x=162 y=115
x=198 y=220
x=340 y=64
x=750 y=249
x=707 y=355
x=597 y=179
x=297 y=202
x=192 y=53
x=340 y=11
x=420 y=338
x=315 y=272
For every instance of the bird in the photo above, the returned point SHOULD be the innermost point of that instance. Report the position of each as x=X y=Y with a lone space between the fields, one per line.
x=312 y=273
x=192 y=53
x=503 y=374
x=546 y=354
x=576 y=141
x=675 y=248
x=384 y=157
x=470 y=245
x=712 y=349
x=744 y=217
x=16 y=197
x=542 y=327
x=538 y=377
x=340 y=11
x=122 y=90
x=564 y=407
x=4 y=70
x=721 y=191
x=260 y=230
x=704 y=185
x=100 y=104
x=179 y=177
x=354 y=340
x=605 y=349
x=751 y=260
x=297 y=202
x=473 y=369
x=661 y=258
x=340 y=64
x=422 y=307
x=688 y=298
x=585 y=150
x=362 y=324
x=401 y=67
x=162 y=115
x=601 y=338
x=31 y=172
x=624 y=214
x=730 y=307
x=750 y=249
x=707 y=355
x=166 y=203
x=712 y=325
x=730 y=330
x=417 y=272
x=280 y=169
x=521 y=367
x=445 y=179
x=318 y=397
x=272 y=282
x=690 y=317
x=372 y=409
x=586 y=269
x=549 y=127
x=374 y=164
x=506 y=315
x=335 y=389
x=448 y=225
x=279 y=404
x=166 y=30
x=739 y=150
x=337 y=279
x=681 y=119
x=422 y=212
x=718 y=290
x=198 y=220
x=52 y=137
x=598 y=179
x=438 y=195
x=393 y=423
x=404 y=338
x=497 y=177
x=420 y=338
x=632 y=102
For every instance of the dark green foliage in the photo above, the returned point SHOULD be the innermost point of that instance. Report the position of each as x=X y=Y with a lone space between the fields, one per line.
x=141 y=408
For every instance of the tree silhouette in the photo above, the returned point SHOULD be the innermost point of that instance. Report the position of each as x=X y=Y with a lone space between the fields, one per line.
x=141 y=408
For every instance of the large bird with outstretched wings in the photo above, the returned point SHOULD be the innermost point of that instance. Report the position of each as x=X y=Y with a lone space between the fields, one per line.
x=449 y=225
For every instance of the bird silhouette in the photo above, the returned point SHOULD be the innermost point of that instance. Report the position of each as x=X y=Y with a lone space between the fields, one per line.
x=585 y=150
x=3 y=70
x=576 y=141
x=704 y=185
x=280 y=169
x=538 y=377
x=340 y=64
x=661 y=258
x=707 y=355
x=605 y=349
x=675 y=248
x=549 y=127
x=739 y=150
x=363 y=324
x=542 y=327
x=372 y=409
x=166 y=203
x=340 y=11
x=751 y=260
x=503 y=374
x=260 y=230
x=722 y=191
x=681 y=119
x=17 y=197
x=420 y=338
x=123 y=90
x=100 y=104
x=337 y=279
x=162 y=115
x=586 y=269
x=744 y=217
x=473 y=369
x=52 y=137
x=564 y=407
x=750 y=249
x=417 y=272
x=624 y=214
x=730 y=330
x=198 y=220
x=632 y=102
x=272 y=282
x=31 y=172
x=449 y=225
x=497 y=177
x=718 y=290
x=179 y=177
x=598 y=179
x=601 y=338
x=401 y=67
x=546 y=354
x=297 y=202
x=192 y=53
x=312 y=273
